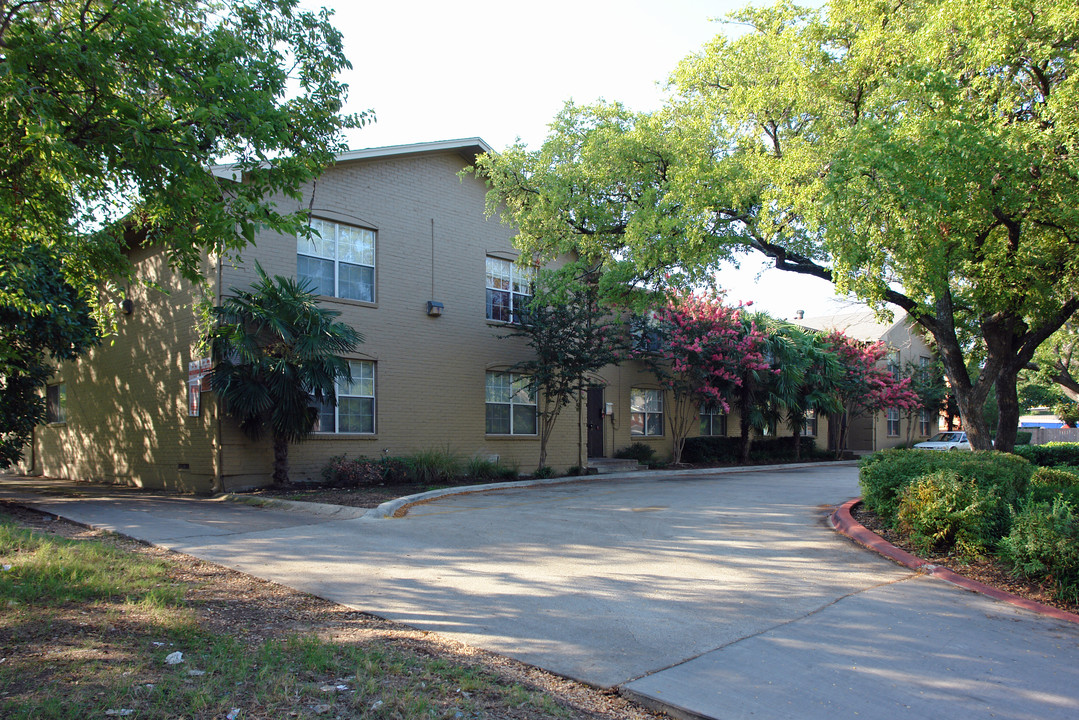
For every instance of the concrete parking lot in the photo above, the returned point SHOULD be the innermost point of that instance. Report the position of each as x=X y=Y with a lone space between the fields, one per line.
x=715 y=595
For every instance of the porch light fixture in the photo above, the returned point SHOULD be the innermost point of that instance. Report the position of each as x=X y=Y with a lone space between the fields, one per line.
x=434 y=308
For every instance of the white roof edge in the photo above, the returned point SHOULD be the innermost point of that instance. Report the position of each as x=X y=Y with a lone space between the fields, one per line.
x=229 y=172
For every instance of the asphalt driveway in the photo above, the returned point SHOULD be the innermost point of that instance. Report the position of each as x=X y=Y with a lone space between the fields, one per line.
x=720 y=596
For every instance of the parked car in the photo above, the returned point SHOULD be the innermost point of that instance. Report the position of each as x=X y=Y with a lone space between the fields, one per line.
x=946 y=441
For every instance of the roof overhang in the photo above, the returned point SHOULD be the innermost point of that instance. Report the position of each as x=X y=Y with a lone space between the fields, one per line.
x=467 y=148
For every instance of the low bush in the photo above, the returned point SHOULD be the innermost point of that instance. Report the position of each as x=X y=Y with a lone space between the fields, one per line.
x=542 y=473
x=1044 y=544
x=885 y=474
x=1023 y=437
x=341 y=472
x=1050 y=454
x=945 y=511
x=1054 y=477
x=637 y=451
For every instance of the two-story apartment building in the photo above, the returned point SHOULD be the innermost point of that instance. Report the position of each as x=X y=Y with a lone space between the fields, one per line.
x=407 y=256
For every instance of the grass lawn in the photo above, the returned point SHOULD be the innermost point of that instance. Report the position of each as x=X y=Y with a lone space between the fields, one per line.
x=90 y=621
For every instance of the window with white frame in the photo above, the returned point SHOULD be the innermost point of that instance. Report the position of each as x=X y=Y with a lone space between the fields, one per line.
x=339 y=260
x=893 y=422
x=510 y=404
x=925 y=423
x=355 y=410
x=56 y=403
x=509 y=288
x=713 y=421
x=809 y=427
x=645 y=412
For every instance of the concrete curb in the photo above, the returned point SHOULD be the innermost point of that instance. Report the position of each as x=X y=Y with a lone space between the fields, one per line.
x=390 y=508
x=324 y=509
x=845 y=524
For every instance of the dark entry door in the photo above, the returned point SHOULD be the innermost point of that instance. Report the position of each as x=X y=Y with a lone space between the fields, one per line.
x=595 y=422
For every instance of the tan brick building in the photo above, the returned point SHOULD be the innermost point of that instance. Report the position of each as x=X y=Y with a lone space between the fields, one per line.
x=409 y=259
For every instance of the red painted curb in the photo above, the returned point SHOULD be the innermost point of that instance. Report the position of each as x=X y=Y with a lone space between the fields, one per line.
x=845 y=524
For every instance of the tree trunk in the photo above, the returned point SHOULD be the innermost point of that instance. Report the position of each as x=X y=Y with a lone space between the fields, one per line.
x=280 y=461
x=796 y=431
x=1008 y=410
x=744 y=426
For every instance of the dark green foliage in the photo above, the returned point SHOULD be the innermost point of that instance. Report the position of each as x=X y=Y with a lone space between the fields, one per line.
x=1054 y=477
x=637 y=451
x=1044 y=544
x=544 y=472
x=1051 y=454
x=945 y=511
x=113 y=114
x=43 y=319
x=1023 y=437
x=885 y=474
x=727 y=450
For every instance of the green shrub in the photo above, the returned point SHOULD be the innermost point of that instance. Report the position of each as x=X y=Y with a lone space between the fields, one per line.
x=885 y=474
x=944 y=510
x=1023 y=437
x=432 y=466
x=482 y=468
x=394 y=470
x=637 y=451
x=542 y=473
x=1053 y=477
x=1044 y=544
x=341 y=472
x=1050 y=454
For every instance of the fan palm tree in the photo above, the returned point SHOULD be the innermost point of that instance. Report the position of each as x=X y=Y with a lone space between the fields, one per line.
x=277 y=356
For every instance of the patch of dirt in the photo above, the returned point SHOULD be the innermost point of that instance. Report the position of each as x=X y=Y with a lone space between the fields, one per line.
x=988 y=570
x=253 y=610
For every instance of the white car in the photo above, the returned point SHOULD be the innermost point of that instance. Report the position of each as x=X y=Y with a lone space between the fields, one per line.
x=946 y=441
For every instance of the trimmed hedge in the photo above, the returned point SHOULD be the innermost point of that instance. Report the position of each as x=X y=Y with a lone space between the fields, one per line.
x=713 y=449
x=1050 y=454
x=885 y=474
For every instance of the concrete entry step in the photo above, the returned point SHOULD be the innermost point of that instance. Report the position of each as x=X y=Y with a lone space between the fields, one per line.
x=604 y=466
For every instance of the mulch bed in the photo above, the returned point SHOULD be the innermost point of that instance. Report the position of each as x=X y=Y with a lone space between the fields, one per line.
x=989 y=571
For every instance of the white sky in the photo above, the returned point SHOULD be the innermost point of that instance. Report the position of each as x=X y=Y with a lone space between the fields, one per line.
x=501 y=70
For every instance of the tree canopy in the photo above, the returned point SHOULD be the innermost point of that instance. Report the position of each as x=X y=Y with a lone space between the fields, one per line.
x=112 y=113
x=920 y=155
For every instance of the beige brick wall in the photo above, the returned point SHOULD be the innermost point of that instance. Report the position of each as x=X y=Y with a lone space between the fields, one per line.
x=127 y=419
x=432 y=240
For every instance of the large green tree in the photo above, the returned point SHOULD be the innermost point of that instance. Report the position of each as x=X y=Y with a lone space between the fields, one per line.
x=920 y=154
x=33 y=339
x=277 y=357
x=113 y=112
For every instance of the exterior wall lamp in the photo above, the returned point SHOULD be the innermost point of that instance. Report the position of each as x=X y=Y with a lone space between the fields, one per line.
x=434 y=308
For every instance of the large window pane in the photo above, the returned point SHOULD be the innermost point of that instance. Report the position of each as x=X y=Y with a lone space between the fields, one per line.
x=356 y=282
x=498 y=419
x=318 y=272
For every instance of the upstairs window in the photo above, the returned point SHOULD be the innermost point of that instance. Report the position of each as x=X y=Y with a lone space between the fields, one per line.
x=339 y=261
x=893 y=422
x=509 y=288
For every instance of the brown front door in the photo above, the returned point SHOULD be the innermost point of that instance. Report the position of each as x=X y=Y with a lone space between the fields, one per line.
x=595 y=422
